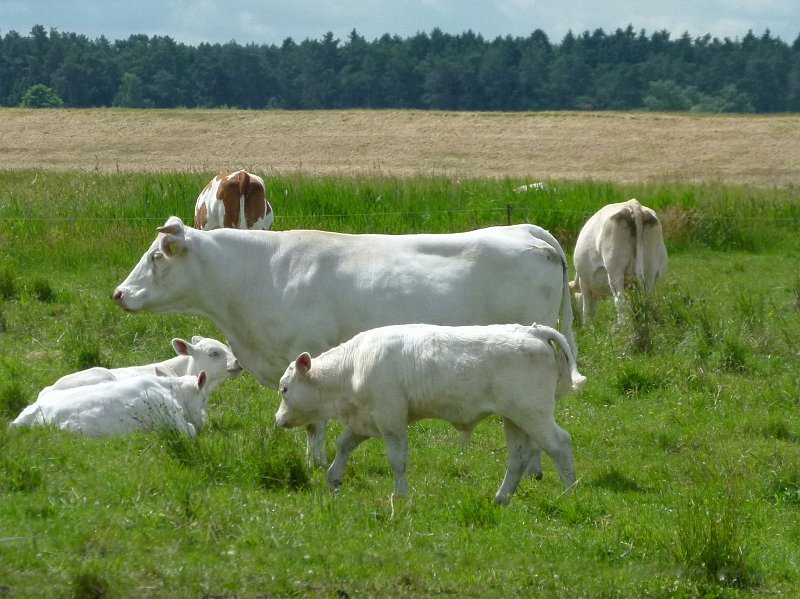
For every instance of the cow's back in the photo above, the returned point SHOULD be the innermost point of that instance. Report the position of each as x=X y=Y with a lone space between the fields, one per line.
x=495 y=275
x=452 y=372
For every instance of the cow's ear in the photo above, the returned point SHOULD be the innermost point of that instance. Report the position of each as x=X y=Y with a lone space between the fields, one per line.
x=173 y=226
x=160 y=372
x=196 y=339
x=202 y=379
x=303 y=362
x=172 y=245
x=181 y=347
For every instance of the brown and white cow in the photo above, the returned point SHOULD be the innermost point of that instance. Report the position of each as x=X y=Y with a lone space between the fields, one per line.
x=234 y=201
x=620 y=243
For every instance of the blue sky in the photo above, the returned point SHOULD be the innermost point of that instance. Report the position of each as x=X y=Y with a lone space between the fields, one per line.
x=271 y=21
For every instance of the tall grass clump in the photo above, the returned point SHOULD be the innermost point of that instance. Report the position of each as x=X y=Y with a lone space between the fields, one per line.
x=710 y=540
x=43 y=291
x=89 y=584
x=12 y=398
x=281 y=465
x=642 y=317
x=8 y=284
x=477 y=512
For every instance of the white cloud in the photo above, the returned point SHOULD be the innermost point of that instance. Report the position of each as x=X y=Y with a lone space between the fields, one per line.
x=271 y=21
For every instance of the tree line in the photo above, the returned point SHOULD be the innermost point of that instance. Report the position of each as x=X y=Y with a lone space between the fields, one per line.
x=623 y=70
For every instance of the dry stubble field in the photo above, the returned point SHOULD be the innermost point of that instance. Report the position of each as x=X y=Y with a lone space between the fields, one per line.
x=623 y=147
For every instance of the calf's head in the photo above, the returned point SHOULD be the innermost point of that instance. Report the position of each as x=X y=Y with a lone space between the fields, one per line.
x=210 y=355
x=161 y=278
x=299 y=396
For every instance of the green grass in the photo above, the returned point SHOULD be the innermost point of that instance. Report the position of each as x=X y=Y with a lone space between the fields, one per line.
x=685 y=435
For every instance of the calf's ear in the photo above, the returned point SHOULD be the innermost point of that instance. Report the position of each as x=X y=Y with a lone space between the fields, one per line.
x=160 y=372
x=202 y=379
x=181 y=347
x=303 y=362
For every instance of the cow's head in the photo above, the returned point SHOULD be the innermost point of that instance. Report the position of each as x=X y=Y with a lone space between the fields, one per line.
x=160 y=281
x=300 y=403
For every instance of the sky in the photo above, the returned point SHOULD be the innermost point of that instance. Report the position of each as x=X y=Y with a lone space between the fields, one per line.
x=272 y=21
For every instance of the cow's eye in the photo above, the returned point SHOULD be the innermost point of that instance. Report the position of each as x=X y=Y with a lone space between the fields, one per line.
x=214 y=354
x=283 y=390
x=157 y=255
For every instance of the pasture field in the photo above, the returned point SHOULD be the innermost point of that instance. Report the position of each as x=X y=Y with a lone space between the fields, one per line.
x=686 y=435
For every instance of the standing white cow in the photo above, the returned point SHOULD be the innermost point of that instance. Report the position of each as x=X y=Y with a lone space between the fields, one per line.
x=237 y=200
x=276 y=294
x=619 y=243
x=382 y=379
x=142 y=402
x=202 y=354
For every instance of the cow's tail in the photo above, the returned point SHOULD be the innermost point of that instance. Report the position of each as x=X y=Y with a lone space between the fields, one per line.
x=565 y=322
x=567 y=377
x=244 y=191
x=638 y=221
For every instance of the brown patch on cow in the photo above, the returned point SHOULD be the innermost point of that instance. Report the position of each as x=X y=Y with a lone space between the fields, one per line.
x=231 y=188
x=255 y=205
x=201 y=217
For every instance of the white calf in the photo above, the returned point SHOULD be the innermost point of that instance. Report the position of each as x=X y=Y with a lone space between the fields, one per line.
x=202 y=354
x=620 y=243
x=384 y=378
x=143 y=402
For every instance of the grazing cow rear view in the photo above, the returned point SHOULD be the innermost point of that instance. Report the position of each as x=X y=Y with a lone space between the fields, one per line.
x=384 y=378
x=620 y=243
x=235 y=201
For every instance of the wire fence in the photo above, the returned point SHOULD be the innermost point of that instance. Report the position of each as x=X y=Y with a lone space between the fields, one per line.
x=510 y=211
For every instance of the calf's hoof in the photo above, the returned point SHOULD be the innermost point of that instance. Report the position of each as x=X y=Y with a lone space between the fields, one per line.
x=502 y=499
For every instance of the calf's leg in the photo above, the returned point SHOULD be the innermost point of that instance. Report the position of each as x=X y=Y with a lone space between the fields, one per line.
x=397 y=453
x=556 y=442
x=520 y=453
x=346 y=442
x=315 y=444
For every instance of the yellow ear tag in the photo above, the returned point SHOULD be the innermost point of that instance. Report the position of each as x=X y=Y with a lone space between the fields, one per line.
x=173 y=247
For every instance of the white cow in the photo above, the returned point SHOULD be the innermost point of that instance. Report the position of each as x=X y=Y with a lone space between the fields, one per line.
x=275 y=294
x=142 y=402
x=237 y=200
x=382 y=379
x=202 y=354
x=618 y=244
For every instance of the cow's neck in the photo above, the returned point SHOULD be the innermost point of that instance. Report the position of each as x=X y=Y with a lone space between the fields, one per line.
x=228 y=300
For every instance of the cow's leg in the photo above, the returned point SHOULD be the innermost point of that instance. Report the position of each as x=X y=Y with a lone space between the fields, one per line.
x=556 y=442
x=617 y=286
x=346 y=442
x=534 y=467
x=397 y=453
x=586 y=302
x=315 y=444
x=519 y=455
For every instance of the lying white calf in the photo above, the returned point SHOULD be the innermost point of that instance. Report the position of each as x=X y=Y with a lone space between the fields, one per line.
x=143 y=402
x=202 y=354
x=384 y=378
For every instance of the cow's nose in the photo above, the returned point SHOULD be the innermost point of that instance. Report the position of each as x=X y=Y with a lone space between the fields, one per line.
x=118 y=296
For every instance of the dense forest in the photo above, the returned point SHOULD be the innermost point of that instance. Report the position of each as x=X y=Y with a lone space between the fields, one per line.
x=622 y=70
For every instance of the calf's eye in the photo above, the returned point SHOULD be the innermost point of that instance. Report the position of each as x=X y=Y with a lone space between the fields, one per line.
x=283 y=390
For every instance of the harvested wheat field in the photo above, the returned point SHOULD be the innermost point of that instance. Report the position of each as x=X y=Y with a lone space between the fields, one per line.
x=623 y=147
